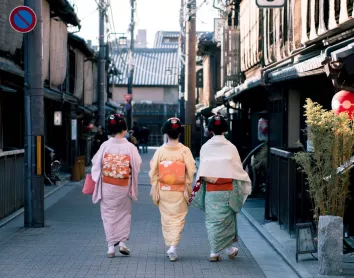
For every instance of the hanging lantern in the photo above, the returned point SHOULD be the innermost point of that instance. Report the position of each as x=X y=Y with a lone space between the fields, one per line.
x=263 y=129
x=343 y=101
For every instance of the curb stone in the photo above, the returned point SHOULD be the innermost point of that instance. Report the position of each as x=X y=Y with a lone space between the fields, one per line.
x=298 y=269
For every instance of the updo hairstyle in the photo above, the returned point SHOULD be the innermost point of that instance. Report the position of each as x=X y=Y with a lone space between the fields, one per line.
x=173 y=127
x=218 y=125
x=116 y=124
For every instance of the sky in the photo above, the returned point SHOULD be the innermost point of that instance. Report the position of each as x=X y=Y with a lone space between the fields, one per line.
x=152 y=15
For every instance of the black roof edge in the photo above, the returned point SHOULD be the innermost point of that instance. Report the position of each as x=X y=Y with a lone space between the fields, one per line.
x=65 y=11
x=81 y=44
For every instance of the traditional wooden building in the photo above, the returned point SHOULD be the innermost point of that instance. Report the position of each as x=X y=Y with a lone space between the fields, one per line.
x=278 y=58
x=155 y=87
x=69 y=71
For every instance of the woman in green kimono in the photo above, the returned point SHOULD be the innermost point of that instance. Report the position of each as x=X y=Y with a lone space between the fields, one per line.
x=224 y=187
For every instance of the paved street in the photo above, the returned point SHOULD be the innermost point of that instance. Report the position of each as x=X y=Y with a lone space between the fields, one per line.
x=73 y=244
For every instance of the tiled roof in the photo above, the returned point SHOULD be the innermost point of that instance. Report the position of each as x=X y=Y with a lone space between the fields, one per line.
x=159 y=43
x=160 y=35
x=150 y=67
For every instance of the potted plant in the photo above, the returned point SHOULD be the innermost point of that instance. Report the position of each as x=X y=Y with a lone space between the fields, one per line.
x=332 y=141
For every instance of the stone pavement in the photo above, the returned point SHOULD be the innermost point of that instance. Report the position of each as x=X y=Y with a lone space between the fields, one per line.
x=73 y=244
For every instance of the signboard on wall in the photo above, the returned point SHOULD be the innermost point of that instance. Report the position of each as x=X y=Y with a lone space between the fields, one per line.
x=218 y=29
x=57 y=118
x=270 y=3
x=74 y=129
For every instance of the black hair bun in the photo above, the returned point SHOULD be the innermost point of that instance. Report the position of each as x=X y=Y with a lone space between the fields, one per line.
x=116 y=124
x=218 y=124
x=172 y=125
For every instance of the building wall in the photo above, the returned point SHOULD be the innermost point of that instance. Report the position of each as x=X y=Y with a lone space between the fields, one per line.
x=154 y=94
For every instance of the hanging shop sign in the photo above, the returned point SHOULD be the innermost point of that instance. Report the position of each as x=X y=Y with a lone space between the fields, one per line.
x=219 y=24
x=263 y=129
x=23 y=19
x=74 y=129
x=270 y=3
x=58 y=121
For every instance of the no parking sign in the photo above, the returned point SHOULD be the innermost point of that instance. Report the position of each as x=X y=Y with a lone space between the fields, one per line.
x=23 y=19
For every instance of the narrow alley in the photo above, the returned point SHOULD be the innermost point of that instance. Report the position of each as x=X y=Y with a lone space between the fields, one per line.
x=73 y=244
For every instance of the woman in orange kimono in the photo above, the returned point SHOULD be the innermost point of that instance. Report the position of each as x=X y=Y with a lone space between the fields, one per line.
x=171 y=175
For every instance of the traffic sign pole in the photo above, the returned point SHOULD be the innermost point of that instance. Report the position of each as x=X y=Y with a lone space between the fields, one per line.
x=34 y=111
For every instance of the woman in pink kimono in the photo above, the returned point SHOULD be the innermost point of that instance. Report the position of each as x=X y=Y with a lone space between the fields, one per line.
x=115 y=169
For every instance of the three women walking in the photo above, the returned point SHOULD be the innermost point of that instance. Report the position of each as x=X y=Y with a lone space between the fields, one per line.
x=222 y=187
x=171 y=175
x=115 y=169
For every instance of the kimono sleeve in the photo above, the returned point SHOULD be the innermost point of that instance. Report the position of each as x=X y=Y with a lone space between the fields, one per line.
x=136 y=164
x=97 y=163
x=190 y=166
x=154 y=176
x=190 y=171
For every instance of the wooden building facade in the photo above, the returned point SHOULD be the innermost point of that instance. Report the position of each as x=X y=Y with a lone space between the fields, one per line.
x=272 y=60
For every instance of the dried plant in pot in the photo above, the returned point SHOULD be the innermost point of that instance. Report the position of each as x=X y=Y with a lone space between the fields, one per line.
x=332 y=138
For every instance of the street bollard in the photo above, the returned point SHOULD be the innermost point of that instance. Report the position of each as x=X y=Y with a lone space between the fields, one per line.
x=82 y=167
x=76 y=170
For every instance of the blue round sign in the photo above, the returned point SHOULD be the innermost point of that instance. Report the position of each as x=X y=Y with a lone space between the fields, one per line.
x=23 y=19
x=127 y=106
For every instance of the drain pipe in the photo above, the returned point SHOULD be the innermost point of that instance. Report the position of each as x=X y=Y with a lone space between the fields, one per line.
x=268 y=71
x=337 y=46
x=289 y=60
x=328 y=58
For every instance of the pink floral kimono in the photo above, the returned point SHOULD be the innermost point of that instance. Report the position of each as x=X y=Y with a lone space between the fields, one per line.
x=115 y=169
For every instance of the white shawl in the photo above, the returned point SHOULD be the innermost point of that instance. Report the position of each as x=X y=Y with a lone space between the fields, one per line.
x=219 y=158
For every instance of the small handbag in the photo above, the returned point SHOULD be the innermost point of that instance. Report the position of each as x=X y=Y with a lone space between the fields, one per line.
x=195 y=190
x=89 y=186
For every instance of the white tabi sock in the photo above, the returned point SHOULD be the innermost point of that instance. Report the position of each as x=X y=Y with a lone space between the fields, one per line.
x=172 y=250
x=230 y=250
x=111 y=249
x=122 y=244
x=212 y=255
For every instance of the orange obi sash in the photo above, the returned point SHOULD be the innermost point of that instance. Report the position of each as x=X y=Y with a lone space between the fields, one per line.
x=172 y=175
x=116 y=169
x=220 y=185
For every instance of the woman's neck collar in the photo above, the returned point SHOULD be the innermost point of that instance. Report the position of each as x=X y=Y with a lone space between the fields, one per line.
x=172 y=143
x=119 y=136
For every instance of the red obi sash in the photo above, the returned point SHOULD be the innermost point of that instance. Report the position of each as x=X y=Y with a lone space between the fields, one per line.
x=116 y=169
x=172 y=175
x=220 y=185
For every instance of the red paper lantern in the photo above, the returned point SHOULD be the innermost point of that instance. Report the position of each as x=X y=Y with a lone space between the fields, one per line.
x=343 y=101
x=89 y=127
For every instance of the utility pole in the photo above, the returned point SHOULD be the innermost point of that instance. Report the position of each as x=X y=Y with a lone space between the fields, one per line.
x=131 y=65
x=190 y=73
x=101 y=68
x=182 y=69
x=34 y=123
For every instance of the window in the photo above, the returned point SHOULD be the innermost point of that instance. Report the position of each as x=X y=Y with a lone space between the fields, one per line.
x=170 y=40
